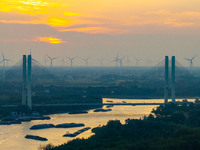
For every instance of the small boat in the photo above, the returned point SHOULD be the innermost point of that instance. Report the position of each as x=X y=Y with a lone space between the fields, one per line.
x=109 y=101
x=108 y=106
x=42 y=126
x=102 y=110
x=78 y=112
x=76 y=133
x=69 y=125
x=34 y=137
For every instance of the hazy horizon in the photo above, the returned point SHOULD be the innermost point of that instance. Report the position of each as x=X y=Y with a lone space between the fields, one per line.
x=146 y=29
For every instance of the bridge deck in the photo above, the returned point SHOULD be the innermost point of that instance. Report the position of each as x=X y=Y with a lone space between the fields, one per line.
x=86 y=104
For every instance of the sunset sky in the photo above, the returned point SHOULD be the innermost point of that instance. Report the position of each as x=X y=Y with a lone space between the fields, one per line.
x=100 y=29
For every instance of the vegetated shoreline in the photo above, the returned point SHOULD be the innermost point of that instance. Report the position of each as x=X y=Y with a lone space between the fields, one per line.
x=5 y=112
x=175 y=126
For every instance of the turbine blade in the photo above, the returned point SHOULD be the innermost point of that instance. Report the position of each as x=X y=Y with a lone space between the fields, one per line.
x=55 y=58
x=7 y=59
x=187 y=59
x=74 y=58
x=2 y=55
x=122 y=58
x=193 y=57
x=48 y=57
x=68 y=58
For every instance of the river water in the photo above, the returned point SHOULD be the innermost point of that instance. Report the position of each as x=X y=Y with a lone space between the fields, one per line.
x=12 y=136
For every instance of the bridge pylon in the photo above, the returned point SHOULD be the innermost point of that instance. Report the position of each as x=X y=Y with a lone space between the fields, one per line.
x=166 y=91
x=26 y=82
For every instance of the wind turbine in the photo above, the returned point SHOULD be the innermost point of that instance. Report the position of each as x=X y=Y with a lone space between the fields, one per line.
x=62 y=62
x=4 y=60
x=86 y=60
x=100 y=62
x=116 y=60
x=137 y=61
x=190 y=61
x=52 y=59
x=121 y=63
x=71 y=61
x=149 y=62
x=128 y=61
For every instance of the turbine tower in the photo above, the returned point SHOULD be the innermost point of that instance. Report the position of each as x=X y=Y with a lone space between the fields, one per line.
x=71 y=61
x=4 y=60
x=190 y=61
x=52 y=59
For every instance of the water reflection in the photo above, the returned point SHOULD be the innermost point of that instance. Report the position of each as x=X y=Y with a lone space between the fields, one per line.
x=12 y=137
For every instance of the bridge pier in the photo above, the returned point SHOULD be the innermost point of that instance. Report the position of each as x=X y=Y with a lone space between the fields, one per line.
x=29 y=92
x=173 y=80
x=26 y=82
x=166 y=91
x=166 y=78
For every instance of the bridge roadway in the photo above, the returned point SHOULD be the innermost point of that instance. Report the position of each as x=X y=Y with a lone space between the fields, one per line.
x=86 y=104
x=96 y=104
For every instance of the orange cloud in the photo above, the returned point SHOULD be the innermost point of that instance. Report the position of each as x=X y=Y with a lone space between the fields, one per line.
x=180 y=24
x=111 y=17
x=58 y=21
x=20 y=22
x=177 y=23
x=94 y=30
x=71 y=14
x=50 y=40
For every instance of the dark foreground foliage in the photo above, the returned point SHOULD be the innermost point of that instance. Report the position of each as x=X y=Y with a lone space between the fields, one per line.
x=170 y=127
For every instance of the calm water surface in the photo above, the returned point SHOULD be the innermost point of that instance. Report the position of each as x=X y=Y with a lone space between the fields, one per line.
x=12 y=136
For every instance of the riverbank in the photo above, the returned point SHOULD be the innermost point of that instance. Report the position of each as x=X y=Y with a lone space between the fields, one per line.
x=6 y=112
x=169 y=127
x=43 y=109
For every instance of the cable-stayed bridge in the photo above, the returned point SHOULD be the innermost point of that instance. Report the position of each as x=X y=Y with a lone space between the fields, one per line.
x=44 y=80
